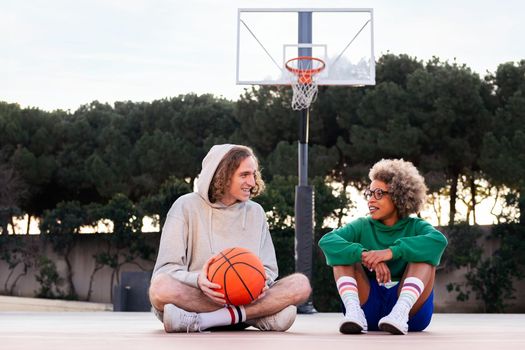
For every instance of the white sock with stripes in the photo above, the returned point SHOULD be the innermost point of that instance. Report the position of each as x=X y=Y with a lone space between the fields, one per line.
x=347 y=287
x=410 y=292
x=223 y=317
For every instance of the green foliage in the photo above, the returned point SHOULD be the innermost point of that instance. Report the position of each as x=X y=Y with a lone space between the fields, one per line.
x=283 y=242
x=157 y=205
x=512 y=244
x=283 y=161
x=421 y=111
x=325 y=295
x=126 y=243
x=49 y=279
x=278 y=199
x=503 y=150
x=396 y=69
x=458 y=288
x=448 y=109
x=60 y=227
x=20 y=257
x=330 y=204
x=12 y=191
x=463 y=249
x=491 y=279
x=265 y=118
x=492 y=283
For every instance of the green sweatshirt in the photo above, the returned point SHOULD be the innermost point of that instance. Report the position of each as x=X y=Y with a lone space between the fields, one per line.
x=411 y=239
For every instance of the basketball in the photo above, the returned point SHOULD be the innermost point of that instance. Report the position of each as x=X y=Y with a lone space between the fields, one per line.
x=240 y=273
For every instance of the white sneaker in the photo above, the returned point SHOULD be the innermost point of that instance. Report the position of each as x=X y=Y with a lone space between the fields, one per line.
x=396 y=322
x=177 y=320
x=354 y=321
x=278 y=322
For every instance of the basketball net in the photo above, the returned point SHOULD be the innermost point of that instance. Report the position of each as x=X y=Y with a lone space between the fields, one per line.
x=303 y=73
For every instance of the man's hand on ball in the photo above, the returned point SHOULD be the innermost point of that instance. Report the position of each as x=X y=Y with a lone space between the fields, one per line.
x=263 y=293
x=209 y=288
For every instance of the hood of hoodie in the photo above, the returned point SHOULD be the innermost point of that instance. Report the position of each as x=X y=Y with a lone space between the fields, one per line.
x=209 y=166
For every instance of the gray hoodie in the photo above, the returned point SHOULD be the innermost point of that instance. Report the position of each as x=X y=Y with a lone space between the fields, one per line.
x=196 y=229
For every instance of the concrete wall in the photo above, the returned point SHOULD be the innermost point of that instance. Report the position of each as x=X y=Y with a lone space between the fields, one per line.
x=88 y=245
x=83 y=265
x=445 y=301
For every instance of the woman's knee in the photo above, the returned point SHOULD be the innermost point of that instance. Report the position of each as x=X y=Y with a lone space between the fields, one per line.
x=425 y=272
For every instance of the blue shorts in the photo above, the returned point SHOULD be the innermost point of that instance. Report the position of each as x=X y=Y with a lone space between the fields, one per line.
x=381 y=300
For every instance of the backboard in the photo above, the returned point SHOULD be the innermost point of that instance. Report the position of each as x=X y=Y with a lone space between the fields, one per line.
x=341 y=37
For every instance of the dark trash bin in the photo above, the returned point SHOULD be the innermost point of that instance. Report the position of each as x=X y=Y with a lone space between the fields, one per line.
x=132 y=292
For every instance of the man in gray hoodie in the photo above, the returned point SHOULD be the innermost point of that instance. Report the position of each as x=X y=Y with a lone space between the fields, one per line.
x=217 y=216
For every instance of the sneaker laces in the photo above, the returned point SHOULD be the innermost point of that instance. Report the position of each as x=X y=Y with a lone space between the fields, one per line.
x=191 y=322
x=356 y=310
x=280 y=321
x=265 y=322
x=399 y=313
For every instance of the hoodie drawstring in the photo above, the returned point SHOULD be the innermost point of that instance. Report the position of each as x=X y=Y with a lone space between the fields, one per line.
x=210 y=216
x=210 y=225
x=244 y=218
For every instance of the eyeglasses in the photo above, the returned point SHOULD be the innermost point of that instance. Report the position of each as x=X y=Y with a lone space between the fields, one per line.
x=378 y=193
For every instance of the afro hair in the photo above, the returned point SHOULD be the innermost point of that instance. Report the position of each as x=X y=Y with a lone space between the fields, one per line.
x=406 y=186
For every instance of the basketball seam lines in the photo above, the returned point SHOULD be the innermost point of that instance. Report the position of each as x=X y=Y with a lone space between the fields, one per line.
x=240 y=278
x=238 y=275
x=225 y=261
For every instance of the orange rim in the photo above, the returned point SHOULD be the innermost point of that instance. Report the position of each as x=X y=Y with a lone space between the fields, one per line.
x=305 y=75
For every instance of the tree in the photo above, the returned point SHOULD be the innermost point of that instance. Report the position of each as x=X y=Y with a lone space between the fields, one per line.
x=396 y=68
x=283 y=161
x=28 y=145
x=126 y=243
x=156 y=158
x=12 y=191
x=61 y=227
x=503 y=149
x=265 y=118
x=375 y=120
x=158 y=205
x=448 y=109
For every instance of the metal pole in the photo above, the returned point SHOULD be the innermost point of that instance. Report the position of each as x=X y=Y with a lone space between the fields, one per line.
x=304 y=199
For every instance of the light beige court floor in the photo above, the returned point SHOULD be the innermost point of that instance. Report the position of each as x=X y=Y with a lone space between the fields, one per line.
x=122 y=331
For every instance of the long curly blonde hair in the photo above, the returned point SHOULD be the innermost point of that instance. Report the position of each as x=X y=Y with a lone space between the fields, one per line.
x=221 y=180
x=406 y=186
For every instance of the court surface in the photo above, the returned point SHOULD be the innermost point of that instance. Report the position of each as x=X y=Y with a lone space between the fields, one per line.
x=114 y=330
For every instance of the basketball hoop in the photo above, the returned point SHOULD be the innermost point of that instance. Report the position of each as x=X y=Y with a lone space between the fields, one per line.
x=303 y=78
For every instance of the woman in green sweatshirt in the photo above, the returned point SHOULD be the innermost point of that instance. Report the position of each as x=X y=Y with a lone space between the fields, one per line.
x=385 y=264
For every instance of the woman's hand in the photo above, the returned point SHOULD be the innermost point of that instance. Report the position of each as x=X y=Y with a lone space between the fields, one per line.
x=373 y=257
x=382 y=273
x=374 y=260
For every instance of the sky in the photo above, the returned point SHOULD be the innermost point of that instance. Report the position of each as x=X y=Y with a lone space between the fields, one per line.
x=61 y=54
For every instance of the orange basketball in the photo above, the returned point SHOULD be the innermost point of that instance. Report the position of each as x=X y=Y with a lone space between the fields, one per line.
x=240 y=273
